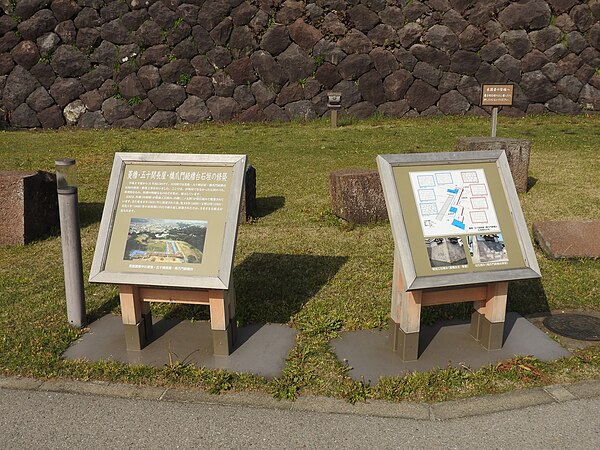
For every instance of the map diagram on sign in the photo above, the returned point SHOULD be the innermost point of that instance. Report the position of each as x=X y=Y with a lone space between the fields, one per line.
x=454 y=202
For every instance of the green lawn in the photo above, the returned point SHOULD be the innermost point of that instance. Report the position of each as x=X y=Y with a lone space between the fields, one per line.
x=296 y=263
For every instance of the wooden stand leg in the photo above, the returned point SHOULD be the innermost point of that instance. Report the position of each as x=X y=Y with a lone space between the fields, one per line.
x=487 y=322
x=137 y=321
x=405 y=317
x=405 y=344
x=220 y=322
x=476 y=316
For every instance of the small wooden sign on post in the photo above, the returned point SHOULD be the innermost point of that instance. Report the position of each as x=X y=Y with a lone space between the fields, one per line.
x=168 y=234
x=496 y=95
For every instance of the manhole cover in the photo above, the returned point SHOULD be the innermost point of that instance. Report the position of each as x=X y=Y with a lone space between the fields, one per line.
x=574 y=326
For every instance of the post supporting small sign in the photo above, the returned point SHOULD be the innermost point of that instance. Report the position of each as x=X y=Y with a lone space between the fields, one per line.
x=334 y=103
x=496 y=95
x=168 y=234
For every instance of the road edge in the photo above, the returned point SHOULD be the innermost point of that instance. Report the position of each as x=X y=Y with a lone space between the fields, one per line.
x=453 y=409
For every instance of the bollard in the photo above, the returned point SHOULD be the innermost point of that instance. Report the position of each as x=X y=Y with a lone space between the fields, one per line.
x=70 y=240
x=334 y=103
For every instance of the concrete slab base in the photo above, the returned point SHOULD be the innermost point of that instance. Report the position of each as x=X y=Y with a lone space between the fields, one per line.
x=371 y=356
x=259 y=349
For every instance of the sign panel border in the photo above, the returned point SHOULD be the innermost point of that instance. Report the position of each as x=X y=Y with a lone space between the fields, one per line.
x=397 y=210
x=500 y=103
x=99 y=273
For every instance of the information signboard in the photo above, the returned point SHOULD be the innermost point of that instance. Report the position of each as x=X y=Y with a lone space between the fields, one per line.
x=456 y=219
x=170 y=220
x=497 y=95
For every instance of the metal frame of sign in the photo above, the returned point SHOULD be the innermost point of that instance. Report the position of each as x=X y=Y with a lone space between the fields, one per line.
x=100 y=274
x=396 y=211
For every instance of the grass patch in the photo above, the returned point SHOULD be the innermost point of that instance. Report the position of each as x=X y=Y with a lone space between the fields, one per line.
x=296 y=263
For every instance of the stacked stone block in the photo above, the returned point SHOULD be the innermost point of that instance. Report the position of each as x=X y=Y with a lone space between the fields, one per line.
x=149 y=63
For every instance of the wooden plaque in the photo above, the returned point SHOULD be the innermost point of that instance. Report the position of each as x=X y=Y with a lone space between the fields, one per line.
x=497 y=95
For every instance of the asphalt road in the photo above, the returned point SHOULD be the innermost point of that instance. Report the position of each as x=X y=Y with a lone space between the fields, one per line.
x=37 y=419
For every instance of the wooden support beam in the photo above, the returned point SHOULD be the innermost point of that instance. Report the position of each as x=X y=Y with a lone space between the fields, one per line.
x=219 y=310
x=406 y=305
x=487 y=323
x=456 y=295
x=131 y=304
x=410 y=311
x=189 y=296
x=137 y=320
x=495 y=308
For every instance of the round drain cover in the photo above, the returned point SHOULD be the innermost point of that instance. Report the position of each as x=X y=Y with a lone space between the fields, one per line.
x=574 y=326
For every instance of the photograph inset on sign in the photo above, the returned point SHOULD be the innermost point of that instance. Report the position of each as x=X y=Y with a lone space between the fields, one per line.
x=487 y=248
x=165 y=240
x=446 y=252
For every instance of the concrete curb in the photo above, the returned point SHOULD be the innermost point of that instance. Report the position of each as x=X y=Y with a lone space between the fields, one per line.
x=453 y=409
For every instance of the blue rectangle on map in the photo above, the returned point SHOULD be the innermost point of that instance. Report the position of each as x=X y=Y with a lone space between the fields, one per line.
x=453 y=191
x=453 y=209
x=458 y=224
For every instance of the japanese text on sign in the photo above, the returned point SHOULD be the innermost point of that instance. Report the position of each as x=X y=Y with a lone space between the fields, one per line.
x=173 y=190
x=497 y=95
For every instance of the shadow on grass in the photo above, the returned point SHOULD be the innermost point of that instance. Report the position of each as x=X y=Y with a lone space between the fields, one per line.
x=102 y=310
x=531 y=182
x=527 y=297
x=267 y=205
x=271 y=288
x=186 y=312
x=90 y=213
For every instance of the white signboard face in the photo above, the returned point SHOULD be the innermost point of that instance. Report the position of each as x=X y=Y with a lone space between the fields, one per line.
x=454 y=202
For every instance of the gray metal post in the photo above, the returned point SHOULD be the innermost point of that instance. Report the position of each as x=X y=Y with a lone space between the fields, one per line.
x=494 y=120
x=71 y=244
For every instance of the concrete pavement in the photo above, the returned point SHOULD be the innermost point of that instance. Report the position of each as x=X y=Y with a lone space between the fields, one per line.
x=71 y=414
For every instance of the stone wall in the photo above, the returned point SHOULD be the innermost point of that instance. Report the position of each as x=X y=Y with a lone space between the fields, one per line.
x=136 y=63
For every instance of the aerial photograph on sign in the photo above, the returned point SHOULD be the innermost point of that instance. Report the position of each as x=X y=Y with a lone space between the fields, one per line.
x=165 y=240
x=452 y=202
x=487 y=248
x=446 y=252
